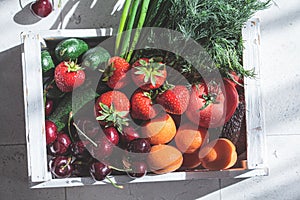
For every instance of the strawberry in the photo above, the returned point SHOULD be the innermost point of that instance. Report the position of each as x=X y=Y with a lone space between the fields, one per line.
x=175 y=99
x=112 y=109
x=116 y=73
x=68 y=75
x=142 y=106
x=148 y=74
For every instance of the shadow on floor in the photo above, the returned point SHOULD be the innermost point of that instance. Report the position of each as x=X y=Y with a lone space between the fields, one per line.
x=25 y=16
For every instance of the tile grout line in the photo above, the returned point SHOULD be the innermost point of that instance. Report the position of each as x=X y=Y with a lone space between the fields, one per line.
x=66 y=197
x=4 y=145
x=220 y=188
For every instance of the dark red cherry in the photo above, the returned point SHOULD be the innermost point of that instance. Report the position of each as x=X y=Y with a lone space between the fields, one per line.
x=51 y=132
x=103 y=150
x=48 y=107
x=129 y=134
x=139 y=169
x=90 y=127
x=78 y=149
x=112 y=134
x=139 y=145
x=99 y=171
x=61 y=145
x=42 y=8
x=61 y=166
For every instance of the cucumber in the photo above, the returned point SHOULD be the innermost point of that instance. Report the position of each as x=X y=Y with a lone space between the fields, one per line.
x=95 y=57
x=70 y=49
x=70 y=103
x=52 y=91
x=46 y=61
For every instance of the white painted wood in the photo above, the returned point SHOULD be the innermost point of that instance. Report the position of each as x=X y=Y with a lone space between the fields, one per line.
x=174 y=176
x=256 y=134
x=34 y=108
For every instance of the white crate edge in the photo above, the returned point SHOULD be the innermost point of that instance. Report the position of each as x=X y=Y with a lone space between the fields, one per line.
x=40 y=177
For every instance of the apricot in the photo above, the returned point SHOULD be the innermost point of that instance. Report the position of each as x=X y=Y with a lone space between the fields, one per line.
x=218 y=154
x=190 y=137
x=164 y=159
x=159 y=130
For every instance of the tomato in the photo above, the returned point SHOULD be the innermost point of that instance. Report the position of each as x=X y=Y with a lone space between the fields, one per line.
x=211 y=105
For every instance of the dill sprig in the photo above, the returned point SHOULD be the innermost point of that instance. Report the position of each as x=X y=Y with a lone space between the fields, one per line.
x=215 y=24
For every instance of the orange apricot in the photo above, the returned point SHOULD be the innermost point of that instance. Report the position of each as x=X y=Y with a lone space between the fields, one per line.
x=159 y=130
x=164 y=159
x=218 y=154
x=190 y=137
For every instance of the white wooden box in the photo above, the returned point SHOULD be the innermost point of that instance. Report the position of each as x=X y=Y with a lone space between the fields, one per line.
x=38 y=173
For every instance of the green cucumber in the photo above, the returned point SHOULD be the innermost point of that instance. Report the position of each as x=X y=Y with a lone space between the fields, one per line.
x=51 y=90
x=70 y=49
x=70 y=103
x=95 y=57
x=46 y=61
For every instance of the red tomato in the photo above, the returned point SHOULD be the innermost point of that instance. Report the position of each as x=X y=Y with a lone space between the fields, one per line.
x=210 y=105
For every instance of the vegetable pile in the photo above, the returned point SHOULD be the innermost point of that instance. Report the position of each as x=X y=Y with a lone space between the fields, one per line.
x=151 y=110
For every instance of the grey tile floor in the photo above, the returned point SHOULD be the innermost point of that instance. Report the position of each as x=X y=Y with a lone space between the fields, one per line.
x=280 y=82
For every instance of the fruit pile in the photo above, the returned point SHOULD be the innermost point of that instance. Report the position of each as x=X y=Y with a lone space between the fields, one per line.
x=134 y=121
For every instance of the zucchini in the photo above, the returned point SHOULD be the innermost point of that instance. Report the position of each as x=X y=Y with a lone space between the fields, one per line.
x=70 y=49
x=46 y=61
x=95 y=57
x=71 y=102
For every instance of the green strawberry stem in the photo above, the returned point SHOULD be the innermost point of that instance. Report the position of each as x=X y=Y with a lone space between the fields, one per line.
x=73 y=66
x=150 y=70
x=113 y=117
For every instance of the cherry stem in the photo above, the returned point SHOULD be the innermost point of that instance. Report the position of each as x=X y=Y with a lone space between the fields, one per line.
x=59 y=4
x=69 y=160
x=114 y=184
x=119 y=169
x=82 y=133
x=69 y=125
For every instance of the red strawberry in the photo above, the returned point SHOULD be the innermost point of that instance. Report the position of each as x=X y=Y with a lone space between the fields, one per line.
x=112 y=109
x=116 y=73
x=148 y=74
x=142 y=106
x=68 y=75
x=175 y=99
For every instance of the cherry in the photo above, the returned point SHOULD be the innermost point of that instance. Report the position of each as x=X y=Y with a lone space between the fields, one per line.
x=51 y=132
x=129 y=134
x=103 y=150
x=78 y=149
x=61 y=166
x=138 y=149
x=89 y=127
x=61 y=145
x=112 y=134
x=138 y=170
x=41 y=8
x=139 y=145
x=48 y=107
x=99 y=171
